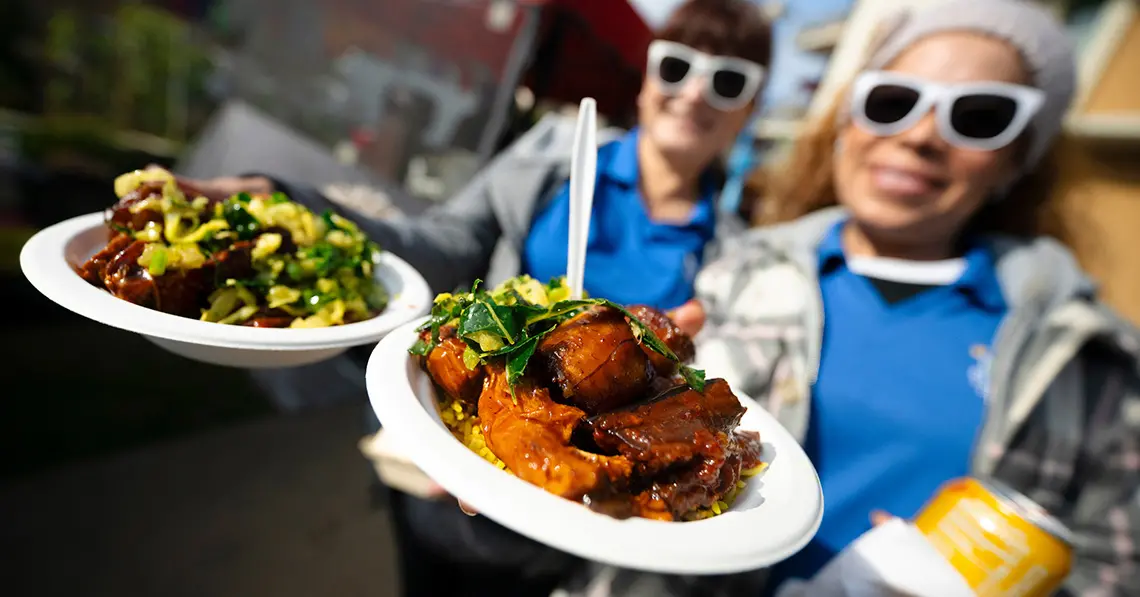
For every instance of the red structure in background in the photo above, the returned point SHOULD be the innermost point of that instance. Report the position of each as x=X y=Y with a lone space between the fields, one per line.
x=582 y=48
x=593 y=48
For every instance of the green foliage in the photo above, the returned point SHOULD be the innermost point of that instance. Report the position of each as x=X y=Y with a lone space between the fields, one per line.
x=143 y=69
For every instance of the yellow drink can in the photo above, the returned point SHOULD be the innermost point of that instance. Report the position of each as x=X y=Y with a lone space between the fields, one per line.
x=1000 y=541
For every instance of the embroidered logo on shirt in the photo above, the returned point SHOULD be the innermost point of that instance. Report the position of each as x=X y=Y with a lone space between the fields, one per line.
x=978 y=374
x=691 y=267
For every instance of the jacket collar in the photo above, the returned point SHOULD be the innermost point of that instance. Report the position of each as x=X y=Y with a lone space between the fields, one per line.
x=1039 y=274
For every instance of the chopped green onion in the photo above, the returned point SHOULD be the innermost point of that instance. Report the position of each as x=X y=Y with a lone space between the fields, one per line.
x=157 y=265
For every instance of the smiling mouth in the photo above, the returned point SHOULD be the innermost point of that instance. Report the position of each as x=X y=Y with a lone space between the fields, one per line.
x=692 y=123
x=901 y=182
x=691 y=120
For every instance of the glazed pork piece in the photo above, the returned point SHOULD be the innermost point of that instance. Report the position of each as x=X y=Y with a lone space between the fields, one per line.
x=122 y=216
x=698 y=484
x=116 y=269
x=531 y=434
x=595 y=361
x=235 y=262
x=444 y=364
x=680 y=425
x=95 y=268
x=685 y=441
x=179 y=292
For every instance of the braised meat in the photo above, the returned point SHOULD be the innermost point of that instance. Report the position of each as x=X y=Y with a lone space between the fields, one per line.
x=686 y=435
x=269 y=318
x=116 y=268
x=96 y=267
x=531 y=434
x=699 y=483
x=595 y=361
x=677 y=426
x=235 y=262
x=178 y=292
x=446 y=367
x=677 y=341
x=586 y=409
x=121 y=215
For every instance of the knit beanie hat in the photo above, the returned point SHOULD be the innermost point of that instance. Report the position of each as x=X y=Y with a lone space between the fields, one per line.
x=1044 y=46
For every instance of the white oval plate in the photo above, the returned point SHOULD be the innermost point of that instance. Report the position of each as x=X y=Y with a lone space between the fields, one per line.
x=48 y=260
x=773 y=517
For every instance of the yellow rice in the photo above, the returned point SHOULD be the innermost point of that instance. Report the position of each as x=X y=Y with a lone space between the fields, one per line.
x=464 y=425
x=463 y=422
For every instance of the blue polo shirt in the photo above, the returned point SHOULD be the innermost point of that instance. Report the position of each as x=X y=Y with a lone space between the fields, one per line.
x=629 y=257
x=900 y=395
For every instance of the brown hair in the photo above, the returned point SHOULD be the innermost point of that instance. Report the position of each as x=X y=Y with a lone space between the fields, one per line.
x=806 y=183
x=723 y=27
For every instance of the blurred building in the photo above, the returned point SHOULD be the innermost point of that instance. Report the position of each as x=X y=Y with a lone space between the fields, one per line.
x=1100 y=178
x=400 y=77
x=429 y=83
x=419 y=92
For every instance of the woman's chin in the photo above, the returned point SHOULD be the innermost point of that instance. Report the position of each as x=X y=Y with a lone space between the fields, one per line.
x=679 y=140
x=887 y=218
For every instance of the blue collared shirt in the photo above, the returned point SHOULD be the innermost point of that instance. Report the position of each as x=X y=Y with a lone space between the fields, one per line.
x=630 y=259
x=900 y=396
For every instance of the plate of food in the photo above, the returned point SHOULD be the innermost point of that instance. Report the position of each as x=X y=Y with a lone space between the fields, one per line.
x=249 y=281
x=579 y=424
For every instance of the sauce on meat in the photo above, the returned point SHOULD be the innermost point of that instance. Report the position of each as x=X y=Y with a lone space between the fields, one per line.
x=601 y=421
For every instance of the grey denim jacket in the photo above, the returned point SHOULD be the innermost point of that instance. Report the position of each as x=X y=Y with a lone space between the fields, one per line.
x=1062 y=418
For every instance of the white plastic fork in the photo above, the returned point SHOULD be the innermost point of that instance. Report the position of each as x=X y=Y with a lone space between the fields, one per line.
x=583 y=172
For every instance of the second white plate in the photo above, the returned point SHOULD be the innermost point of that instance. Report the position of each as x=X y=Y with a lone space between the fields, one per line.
x=48 y=260
x=776 y=514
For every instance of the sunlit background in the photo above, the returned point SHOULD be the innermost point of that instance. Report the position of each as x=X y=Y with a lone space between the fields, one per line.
x=127 y=471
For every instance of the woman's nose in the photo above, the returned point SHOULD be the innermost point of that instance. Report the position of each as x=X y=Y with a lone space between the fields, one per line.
x=693 y=89
x=924 y=136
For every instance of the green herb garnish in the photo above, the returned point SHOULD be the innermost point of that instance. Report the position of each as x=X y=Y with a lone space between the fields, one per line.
x=511 y=320
x=243 y=223
x=119 y=228
x=518 y=359
x=261 y=281
x=327 y=217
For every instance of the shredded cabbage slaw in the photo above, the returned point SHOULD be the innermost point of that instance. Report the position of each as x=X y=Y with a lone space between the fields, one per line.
x=317 y=269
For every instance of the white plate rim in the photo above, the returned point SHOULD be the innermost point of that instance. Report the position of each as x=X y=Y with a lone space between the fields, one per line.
x=725 y=547
x=44 y=263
